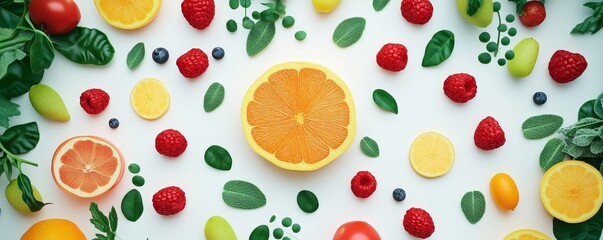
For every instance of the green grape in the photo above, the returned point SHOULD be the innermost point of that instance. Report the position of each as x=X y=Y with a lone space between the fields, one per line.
x=509 y=55
x=484 y=58
x=484 y=37
x=502 y=28
x=491 y=46
x=496 y=6
x=505 y=41
x=512 y=31
x=502 y=61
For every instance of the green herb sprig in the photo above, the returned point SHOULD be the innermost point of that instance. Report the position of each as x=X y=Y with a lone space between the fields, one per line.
x=107 y=225
x=494 y=47
x=593 y=23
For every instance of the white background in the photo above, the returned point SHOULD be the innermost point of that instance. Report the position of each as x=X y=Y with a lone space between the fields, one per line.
x=418 y=91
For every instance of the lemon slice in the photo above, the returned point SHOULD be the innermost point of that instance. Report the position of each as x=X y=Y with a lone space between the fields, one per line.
x=431 y=155
x=128 y=14
x=527 y=234
x=150 y=99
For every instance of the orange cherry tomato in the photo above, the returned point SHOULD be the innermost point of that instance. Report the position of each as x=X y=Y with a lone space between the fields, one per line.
x=356 y=230
x=504 y=191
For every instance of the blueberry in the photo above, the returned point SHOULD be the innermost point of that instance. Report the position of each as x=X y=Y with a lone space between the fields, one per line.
x=113 y=123
x=539 y=98
x=217 y=53
x=160 y=55
x=399 y=194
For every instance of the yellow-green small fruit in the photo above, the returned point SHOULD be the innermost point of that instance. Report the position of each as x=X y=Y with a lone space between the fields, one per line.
x=15 y=199
x=526 y=54
x=217 y=228
x=325 y=6
x=483 y=16
x=48 y=103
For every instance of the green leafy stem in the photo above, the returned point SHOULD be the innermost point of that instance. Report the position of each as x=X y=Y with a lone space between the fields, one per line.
x=16 y=159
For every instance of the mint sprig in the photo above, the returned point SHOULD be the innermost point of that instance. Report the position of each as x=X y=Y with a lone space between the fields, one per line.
x=107 y=225
x=593 y=23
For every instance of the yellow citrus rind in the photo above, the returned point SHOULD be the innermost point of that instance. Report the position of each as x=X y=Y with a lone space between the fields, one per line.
x=128 y=14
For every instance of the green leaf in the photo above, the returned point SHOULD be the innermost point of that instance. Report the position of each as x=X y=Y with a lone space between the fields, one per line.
x=587 y=122
x=85 y=46
x=438 y=49
x=213 y=97
x=573 y=150
x=8 y=57
x=349 y=31
x=113 y=219
x=261 y=232
x=132 y=206
x=243 y=195
x=21 y=139
x=598 y=105
x=41 y=52
x=269 y=15
x=245 y=3
x=379 y=5
x=233 y=4
x=7 y=167
x=473 y=6
x=541 y=126
x=585 y=136
x=592 y=23
x=519 y=5
x=587 y=230
x=473 y=205
x=135 y=56
x=99 y=220
x=18 y=79
x=307 y=201
x=260 y=35
x=280 y=7
x=10 y=14
x=218 y=158
x=552 y=153
x=27 y=193
x=596 y=147
x=385 y=101
x=7 y=109
x=369 y=147
x=587 y=110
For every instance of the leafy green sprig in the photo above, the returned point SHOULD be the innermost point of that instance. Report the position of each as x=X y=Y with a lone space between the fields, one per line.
x=107 y=225
x=593 y=23
x=520 y=4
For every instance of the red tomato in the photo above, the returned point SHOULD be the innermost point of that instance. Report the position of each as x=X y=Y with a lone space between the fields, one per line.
x=356 y=230
x=54 y=16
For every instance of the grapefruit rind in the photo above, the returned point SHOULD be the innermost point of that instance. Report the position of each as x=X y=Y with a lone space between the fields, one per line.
x=138 y=23
x=526 y=233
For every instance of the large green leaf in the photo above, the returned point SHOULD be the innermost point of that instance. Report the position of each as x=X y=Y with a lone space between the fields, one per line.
x=41 y=52
x=85 y=46
x=27 y=193
x=131 y=205
x=243 y=195
x=7 y=109
x=10 y=13
x=20 y=139
x=18 y=79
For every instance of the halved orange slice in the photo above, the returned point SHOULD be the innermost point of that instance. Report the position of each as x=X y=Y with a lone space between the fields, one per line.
x=87 y=166
x=526 y=234
x=299 y=116
x=128 y=14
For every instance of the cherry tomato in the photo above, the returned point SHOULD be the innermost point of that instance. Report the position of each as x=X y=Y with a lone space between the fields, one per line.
x=356 y=230
x=54 y=16
x=504 y=191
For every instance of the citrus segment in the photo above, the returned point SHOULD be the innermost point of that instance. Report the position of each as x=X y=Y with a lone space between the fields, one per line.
x=150 y=99
x=128 y=14
x=299 y=116
x=54 y=229
x=572 y=191
x=87 y=166
x=431 y=155
x=526 y=234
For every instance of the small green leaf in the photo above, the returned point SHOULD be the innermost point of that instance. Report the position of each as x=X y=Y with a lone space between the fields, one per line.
x=41 y=52
x=369 y=147
x=9 y=56
x=233 y=4
x=99 y=220
x=587 y=110
x=598 y=106
x=552 y=153
x=135 y=56
x=584 y=137
x=385 y=101
x=21 y=139
x=132 y=206
x=473 y=6
x=307 y=201
x=9 y=109
x=243 y=195
x=379 y=5
x=596 y=147
x=349 y=31
x=261 y=232
x=218 y=158
x=269 y=15
x=541 y=126
x=245 y=3
x=587 y=230
x=213 y=97
x=473 y=205
x=7 y=166
x=260 y=35
x=27 y=193
x=438 y=49
x=113 y=219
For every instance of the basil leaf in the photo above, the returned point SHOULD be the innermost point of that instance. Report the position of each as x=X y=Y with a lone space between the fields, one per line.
x=243 y=195
x=41 y=52
x=598 y=106
x=307 y=201
x=213 y=97
x=589 y=229
x=135 y=56
x=233 y=4
x=7 y=109
x=245 y=3
x=260 y=35
x=378 y=5
x=473 y=6
x=85 y=46
x=349 y=31
x=218 y=158
x=385 y=101
x=587 y=110
x=369 y=147
x=541 y=126
x=131 y=205
x=438 y=49
x=473 y=205
x=552 y=153
x=27 y=193
x=261 y=232
x=8 y=57
x=20 y=139
x=18 y=79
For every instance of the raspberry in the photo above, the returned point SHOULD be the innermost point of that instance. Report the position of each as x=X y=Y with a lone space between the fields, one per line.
x=193 y=63
x=566 y=66
x=363 y=184
x=94 y=100
x=416 y=11
x=169 y=201
x=460 y=87
x=392 y=57
x=489 y=135
x=170 y=143
x=418 y=223
x=198 y=13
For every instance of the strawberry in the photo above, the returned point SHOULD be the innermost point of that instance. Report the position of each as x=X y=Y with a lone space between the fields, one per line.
x=94 y=100
x=198 y=13
x=460 y=87
x=566 y=66
x=170 y=143
x=193 y=63
x=416 y=11
x=489 y=135
x=392 y=57
x=533 y=14
x=169 y=201
x=363 y=184
x=418 y=223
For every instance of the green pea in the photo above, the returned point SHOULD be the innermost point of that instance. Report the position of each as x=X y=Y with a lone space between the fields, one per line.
x=256 y=15
x=484 y=58
x=512 y=31
x=286 y=238
x=484 y=37
x=296 y=228
x=505 y=41
x=502 y=27
x=247 y=23
x=491 y=46
x=278 y=233
x=287 y=222
x=496 y=6
x=138 y=181
x=231 y=25
x=134 y=168
x=502 y=61
x=288 y=21
x=509 y=54
x=272 y=218
x=300 y=35
x=510 y=18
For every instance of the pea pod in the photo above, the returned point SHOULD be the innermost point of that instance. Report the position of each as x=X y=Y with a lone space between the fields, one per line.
x=526 y=53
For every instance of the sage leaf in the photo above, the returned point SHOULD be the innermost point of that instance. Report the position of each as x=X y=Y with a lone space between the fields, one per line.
x=552 y=153
x=307 y=201
x=587 y=230
x=260 y=35
x=596 y=147
x=19 y=78
x=132 y=206
x=135 y=56
x=213 y=97
x=385 y=101
x=473 y=6
x=585 y=137
x=218 y=158
x=27 y=193
x=85 y=46
x=587 y=110
x=21 y=139
x=473 y=205
x=379 y=5
x=541 y=126
x=369 y=147
x=438 y=49
x=243 y=195
x=261 y=232
x=598 y=106
x=349 y=31
x=233 y=4
x=41 y=52
x=9 y=109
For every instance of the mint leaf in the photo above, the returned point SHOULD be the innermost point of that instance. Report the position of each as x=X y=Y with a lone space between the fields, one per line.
x=584 y=137
x=7 y=109
x=218 y=158
x=385 y=101
x=541 y=126
x=243 y=195
x=473 y=205
x=369 y=147
x=552 y=153
x=592 y=23
x=135 y=56
x=438 y=49
x=349 y=31
x=596 y=147
x=213 y=97
x=378 y=5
